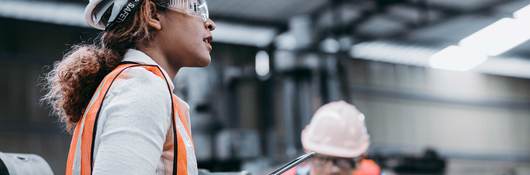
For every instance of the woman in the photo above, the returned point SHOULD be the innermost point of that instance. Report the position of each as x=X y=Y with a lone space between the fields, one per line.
x=116 y=95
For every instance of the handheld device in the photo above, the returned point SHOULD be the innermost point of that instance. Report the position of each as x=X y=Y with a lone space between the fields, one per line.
x=292 y=163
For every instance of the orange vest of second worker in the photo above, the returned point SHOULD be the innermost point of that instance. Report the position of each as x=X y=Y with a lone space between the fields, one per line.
x=365 y=167
x=80 y=156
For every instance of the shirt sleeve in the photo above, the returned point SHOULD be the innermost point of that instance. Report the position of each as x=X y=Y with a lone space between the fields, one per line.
x=136 y=117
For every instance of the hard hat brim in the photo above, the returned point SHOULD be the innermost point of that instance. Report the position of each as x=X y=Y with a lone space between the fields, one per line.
x=334 y=150
x=89 y=15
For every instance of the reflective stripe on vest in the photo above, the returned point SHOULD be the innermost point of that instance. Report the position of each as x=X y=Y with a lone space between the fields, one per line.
x=80 y=158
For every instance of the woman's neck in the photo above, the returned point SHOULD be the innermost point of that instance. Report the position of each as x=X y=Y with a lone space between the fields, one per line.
x=161 y=59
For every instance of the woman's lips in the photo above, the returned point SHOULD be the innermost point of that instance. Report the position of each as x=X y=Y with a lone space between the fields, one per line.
x=208 y=42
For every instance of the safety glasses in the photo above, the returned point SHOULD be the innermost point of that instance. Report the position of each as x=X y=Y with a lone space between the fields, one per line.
x=342 y=163
x=197 y=8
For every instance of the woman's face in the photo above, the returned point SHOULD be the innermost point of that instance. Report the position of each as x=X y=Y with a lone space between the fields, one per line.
x=186 y=39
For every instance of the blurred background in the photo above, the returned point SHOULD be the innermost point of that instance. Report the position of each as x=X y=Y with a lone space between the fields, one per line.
x=449 y=78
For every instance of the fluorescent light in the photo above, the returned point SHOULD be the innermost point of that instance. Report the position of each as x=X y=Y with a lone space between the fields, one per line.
x=419 y=56
x=522 y=13
x=50 y=12
x=457 y=58
x=262 y=63
x=243 y=34
x=392 y=53
x=501 y=36
x=286 y=41
x=498 y=37
x=493 y=40
x=330 y=45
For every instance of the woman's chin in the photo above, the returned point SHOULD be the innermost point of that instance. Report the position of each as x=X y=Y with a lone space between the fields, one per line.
x=203 y=62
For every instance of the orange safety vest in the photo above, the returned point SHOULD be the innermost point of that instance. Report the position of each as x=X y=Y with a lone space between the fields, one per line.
x=365 y=167
x=85 y=130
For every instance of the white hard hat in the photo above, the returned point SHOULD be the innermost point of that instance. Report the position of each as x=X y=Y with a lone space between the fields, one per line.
x=337 y=129
x=97 y=9
x=104 y=14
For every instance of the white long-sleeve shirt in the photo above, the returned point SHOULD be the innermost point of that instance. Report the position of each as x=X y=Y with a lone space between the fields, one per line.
x=135 y=123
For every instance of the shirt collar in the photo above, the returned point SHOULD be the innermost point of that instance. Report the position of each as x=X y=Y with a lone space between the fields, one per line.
x=138 y=56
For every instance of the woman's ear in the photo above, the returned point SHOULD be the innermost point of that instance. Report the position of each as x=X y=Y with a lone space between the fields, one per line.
x=154 y=21
x=154 y=16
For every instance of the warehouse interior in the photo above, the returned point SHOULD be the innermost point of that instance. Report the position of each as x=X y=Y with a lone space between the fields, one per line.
x=275 y=62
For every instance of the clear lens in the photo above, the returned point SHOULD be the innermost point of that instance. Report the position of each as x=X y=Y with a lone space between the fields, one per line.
x=195 y=7
x=342 y=163
x=203 y=10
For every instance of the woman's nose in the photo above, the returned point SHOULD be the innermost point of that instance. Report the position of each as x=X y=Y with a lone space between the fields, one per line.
x=334 y=169
x=210 y=25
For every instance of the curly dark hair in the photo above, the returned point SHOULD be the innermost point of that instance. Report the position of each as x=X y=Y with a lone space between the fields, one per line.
x=73 y=80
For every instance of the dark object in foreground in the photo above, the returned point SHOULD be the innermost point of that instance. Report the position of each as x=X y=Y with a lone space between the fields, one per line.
x=26 y=164
x=292 y=163
x=430 y=162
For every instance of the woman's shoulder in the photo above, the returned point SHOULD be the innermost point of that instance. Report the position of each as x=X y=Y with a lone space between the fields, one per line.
x=138 y=92
x=140 y=82
x=144 y=76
